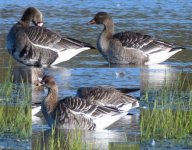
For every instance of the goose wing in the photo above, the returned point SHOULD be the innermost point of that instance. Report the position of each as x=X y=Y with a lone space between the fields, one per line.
x=44 y=38
x=82 y=91
x=146 y=43
x=105 y=95
x=80 y=113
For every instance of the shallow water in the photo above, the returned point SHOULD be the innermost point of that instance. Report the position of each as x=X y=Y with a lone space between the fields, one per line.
x=176 y=85
x=69 y=80
x=10 y=142
x=128 y=135
x=168 y=20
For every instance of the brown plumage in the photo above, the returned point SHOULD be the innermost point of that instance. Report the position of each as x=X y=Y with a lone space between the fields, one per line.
x=130 y=47
x=90 y=111
x=38 y=46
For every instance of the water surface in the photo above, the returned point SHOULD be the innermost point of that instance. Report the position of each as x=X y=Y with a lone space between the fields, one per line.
x=167 y=20
x=69 y=80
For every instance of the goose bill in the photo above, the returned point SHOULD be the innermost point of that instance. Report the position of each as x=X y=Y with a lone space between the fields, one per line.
x=40 y=24
x=91 y=22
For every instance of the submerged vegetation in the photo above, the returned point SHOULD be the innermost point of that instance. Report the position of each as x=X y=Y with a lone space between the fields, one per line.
x=165 y=123
x=74 y=140
x=13 y=92
x=6 y=87
x=168 y=113
x=60 y=139
x=124 y=146
x=15 y=121
x=15 y=106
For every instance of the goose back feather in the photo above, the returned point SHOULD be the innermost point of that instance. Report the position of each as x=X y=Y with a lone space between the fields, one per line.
x=92 y=112
x=107 y=96
x=80 y=113
x=38 y=46
x=130 y=47
x=146 y=43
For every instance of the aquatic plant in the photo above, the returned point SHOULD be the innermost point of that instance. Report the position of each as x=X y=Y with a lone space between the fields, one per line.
x=15 y=121
x=60 y=139
x=124 y=146
x=15 y=106
x=168 y=112
x=6 y=85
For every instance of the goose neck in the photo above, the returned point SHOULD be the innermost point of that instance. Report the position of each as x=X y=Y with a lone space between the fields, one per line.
x=24 y=23
x=51 y=100
x=105 y=37
x=109 y=28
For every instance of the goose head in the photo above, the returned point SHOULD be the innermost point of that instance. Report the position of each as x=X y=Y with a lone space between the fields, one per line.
x=101 y=18
x=50 y=102
x=33 y=15
x=47 y=81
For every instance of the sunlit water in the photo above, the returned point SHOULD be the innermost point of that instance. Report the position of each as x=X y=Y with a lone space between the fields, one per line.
x=168 y=20
x=69 y=80
x=155 y=79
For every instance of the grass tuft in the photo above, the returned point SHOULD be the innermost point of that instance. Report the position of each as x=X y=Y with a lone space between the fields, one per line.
x=61 y=139
x=15 y=106
x=169 y=112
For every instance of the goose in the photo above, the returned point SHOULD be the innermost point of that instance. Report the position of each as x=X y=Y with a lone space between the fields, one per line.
x=109 y=96
x=84 y=92
x=38 y=46
x=87 y=112
x=130 y=47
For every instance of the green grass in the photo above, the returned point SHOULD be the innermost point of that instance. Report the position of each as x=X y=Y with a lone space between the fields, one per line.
x=169 y=112
x=15 y=106
x=6 y=85
x=13 y=92
x=16 y=121
x=123 y=146
x=73 y=140
x=167 y=123
x=61 y=139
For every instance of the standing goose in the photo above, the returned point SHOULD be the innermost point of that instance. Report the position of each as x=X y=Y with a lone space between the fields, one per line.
x=38 y=46
x=76 y=112
x=130 y=47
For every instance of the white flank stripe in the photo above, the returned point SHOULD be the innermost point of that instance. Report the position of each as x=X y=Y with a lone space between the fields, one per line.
x=68 y=54
x=161 y=56
x=106 y=120
x=153 y=50
x=126 y=107
x=46 y=47
x=36 y=110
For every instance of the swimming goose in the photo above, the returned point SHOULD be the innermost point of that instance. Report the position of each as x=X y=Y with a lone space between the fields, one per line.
x=76 y=112
x=108 y=96
x=38 y=46
x=85 y=92
x=130 y=47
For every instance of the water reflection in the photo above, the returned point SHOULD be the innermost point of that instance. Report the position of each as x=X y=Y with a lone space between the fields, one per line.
x=27 y=74
x=166 y=20
x=167 y=90
x=95 y=139
x=69 y=80
x=11 y=142
x=155 y=76
x=125 y=130
x=15 y=108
